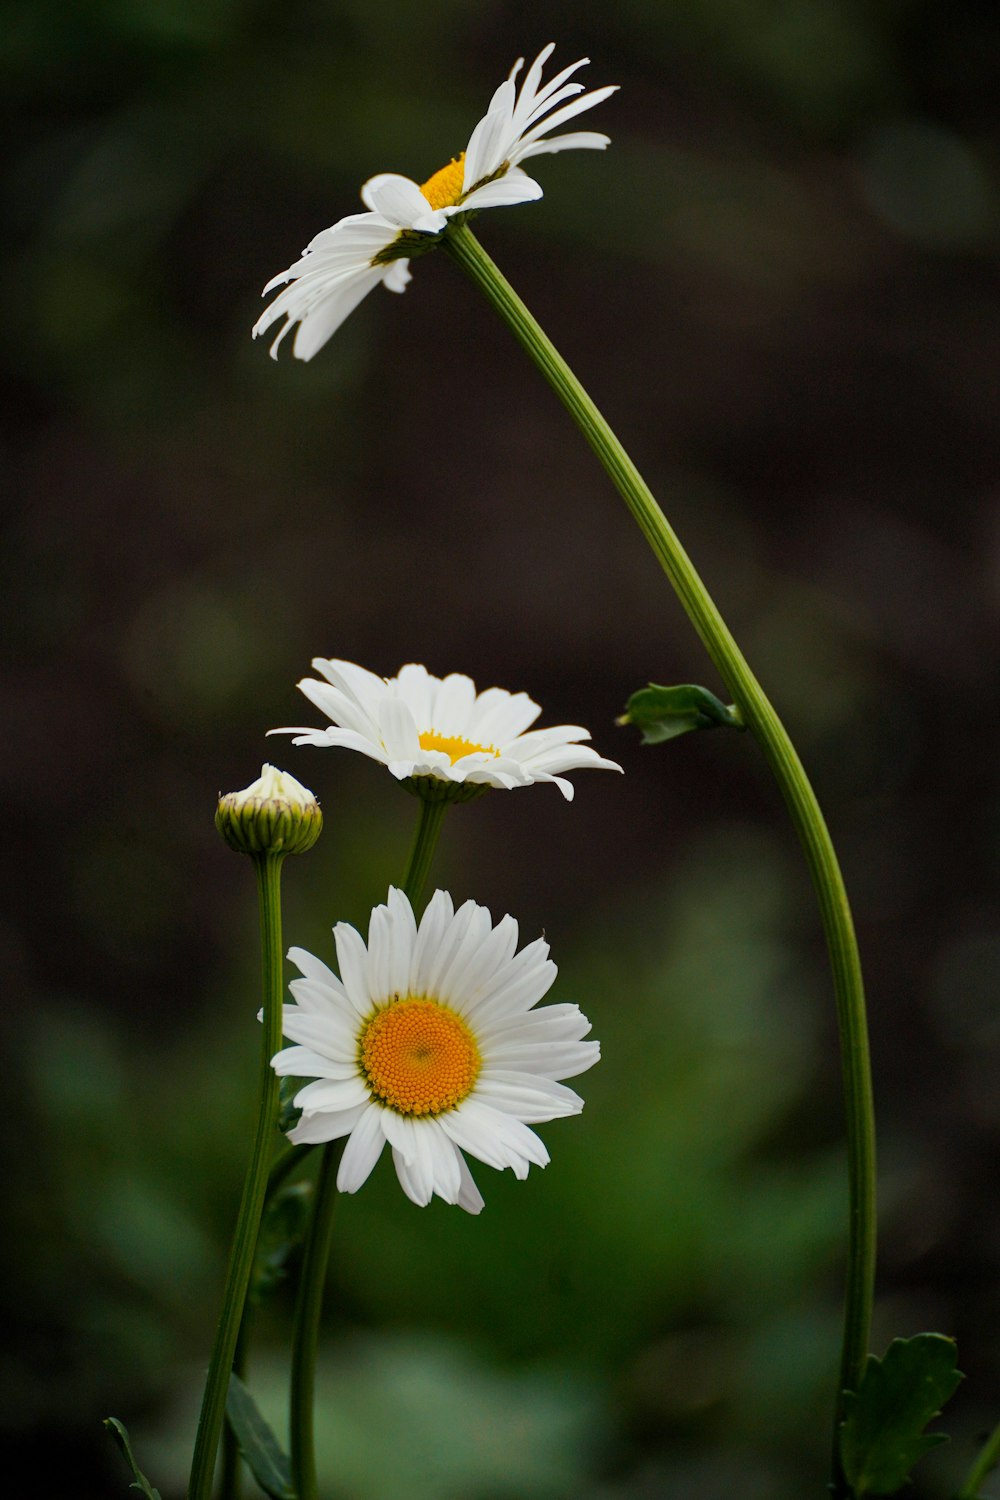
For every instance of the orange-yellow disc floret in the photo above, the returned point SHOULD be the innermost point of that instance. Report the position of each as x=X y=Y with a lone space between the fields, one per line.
x=453 y=745
x=419 y=1057
x=444 y=188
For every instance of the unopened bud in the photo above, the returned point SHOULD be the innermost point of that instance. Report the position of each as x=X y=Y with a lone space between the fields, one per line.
x=275 y=815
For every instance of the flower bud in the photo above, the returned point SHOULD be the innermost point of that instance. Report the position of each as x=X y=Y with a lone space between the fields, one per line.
x=274 y=815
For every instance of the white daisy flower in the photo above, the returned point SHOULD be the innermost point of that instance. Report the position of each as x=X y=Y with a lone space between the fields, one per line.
x=420 y=725
x=430 y=1040
x=342 y=264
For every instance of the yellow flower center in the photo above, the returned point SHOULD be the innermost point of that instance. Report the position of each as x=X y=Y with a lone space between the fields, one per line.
x=453 y=745
x=444 y=189
x=419 y=1057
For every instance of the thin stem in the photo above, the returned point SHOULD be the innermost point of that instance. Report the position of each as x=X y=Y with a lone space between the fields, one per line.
x=229 y=1486
x=268 y=871
x=305 y=1333
x=987 y=1460
x=424 y=844
x=764 y=723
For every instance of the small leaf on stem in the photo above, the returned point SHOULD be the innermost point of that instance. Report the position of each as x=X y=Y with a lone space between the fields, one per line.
x=282 y=1230
x=882 y=1435
x=268 y=1464
x=139 y=1482
x=662 y=713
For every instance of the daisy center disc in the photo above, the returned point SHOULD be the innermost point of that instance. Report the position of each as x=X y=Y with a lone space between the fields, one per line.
x=444 y=188
x=419 y=1057
x=453 y=745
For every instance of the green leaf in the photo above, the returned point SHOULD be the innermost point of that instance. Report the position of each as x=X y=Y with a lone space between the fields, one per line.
x=260 y=1448
x=282 y=1231
x=140 y=1482
x=662 y=713
x=288 y=1115
x=882 y=1435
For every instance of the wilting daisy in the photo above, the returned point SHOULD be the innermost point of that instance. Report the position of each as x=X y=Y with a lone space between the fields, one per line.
x=342 y=264
x=430 y=1040
x=420 y=725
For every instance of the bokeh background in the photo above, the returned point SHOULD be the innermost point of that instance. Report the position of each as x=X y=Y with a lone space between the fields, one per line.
x=781 y=284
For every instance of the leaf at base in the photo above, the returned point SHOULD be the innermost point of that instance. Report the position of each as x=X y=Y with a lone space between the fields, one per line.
x=139 y=1480
x=882 y=1435
x=266 y=1460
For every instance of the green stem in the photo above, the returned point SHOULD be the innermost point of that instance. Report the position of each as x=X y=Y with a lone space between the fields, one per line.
x=268 y=871
x=424 y=844
x=229 y=1486
x=764 y=723
x=987 y=1460
x=305 y=1333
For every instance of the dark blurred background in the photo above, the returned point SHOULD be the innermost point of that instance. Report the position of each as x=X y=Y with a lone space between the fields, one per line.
x=780 y=282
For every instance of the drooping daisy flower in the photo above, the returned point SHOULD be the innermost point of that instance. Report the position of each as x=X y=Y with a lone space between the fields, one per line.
x=342 y=264
x=430 y=1040
x=419 y=725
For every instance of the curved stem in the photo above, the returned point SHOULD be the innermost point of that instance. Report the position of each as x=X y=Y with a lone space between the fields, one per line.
x=424 y=844
x=305 y=1333
x=764 y=723
x=268 y=871
x=987 y=1460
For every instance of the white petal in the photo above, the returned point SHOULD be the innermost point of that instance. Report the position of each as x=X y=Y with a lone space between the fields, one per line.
x=398 y=731
x=311 y=1130
x=343 y=708
x=461 y=968
x=318 y=996
x=568 y=111
x=526 y=1097
x=314 y=968
x=305 y=1062
x=366 y=688
x=319 y=1034
x=468 y=917
x=570 y=140
x=411 y=1181
x=453 y=704
x=500 y=716
x=469 y=1196
x=551 y=1023
x=488 y=143
x=362 y=1151
x=327 y=1094
x=352 y=956
x=397 y=275
x=324 y=318
x=548 y=1059
x=515 y=988
x=400 y=200
x=502 y=192
x=493 y=954
x=415 y=685
x=488 y=1133
x=434 y=923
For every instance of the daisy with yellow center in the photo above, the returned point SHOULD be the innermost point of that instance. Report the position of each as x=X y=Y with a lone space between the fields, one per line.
x=343 y=263
x=431 y=1039
x=418 y=725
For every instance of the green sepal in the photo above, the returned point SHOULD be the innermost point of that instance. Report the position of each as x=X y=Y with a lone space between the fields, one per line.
x=139 y=1480
x=882 y=1435
x=261 y=1451
x=662 y=713
x=431 y=788
x=289 y=1114
x=282 y=1231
